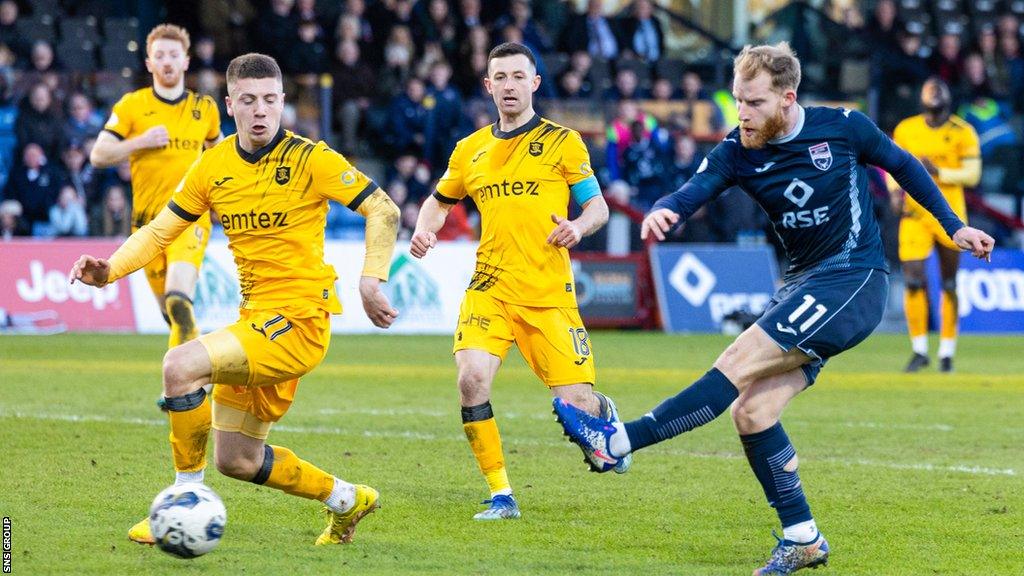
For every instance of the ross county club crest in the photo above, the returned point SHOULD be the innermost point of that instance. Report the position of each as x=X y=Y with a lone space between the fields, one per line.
x=821 y=156
x=283 y=175
x=536 y=148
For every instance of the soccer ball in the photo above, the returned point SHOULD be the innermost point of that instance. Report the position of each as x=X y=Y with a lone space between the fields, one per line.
x=187 y=520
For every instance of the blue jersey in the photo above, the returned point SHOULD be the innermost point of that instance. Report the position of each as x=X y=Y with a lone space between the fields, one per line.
x=813 y=185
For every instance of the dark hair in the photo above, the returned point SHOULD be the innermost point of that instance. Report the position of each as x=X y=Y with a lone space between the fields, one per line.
x=511 y=49
x=252 y=65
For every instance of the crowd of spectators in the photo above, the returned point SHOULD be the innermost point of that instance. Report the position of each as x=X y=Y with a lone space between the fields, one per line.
x=404 y=80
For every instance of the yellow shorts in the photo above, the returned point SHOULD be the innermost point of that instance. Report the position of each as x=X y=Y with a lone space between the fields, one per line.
x=258 y=360
x=553 y=341
x=918 y=236
x=189 y=247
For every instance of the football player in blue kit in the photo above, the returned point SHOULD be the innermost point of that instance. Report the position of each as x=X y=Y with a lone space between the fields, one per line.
x=805 y=166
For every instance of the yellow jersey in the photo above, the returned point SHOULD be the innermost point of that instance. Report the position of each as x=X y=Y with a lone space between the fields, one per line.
x=518 y=179
x=946 y=146
x=190 y=120
x=273 y=206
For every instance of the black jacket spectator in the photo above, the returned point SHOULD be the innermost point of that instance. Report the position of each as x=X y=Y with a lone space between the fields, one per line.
x=38 y=121
x=34 y=184
x=592 y=32
x=642 y=33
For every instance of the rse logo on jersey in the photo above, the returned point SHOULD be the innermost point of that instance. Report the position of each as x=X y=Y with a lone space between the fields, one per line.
x=506 y=188
x=536 y=148
x=799 y=192
x=283 y=175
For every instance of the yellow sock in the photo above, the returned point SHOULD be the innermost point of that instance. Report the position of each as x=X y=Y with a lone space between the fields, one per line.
x=486 y=444
x=190 y=427
x=915 y=304
x=292 y=475
x=182 y=318
x=950 y=316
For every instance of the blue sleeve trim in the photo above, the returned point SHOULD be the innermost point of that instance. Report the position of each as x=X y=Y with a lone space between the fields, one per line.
x=585 y=189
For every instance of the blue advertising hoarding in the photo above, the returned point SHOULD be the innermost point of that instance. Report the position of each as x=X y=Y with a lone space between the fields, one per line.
x=699 y=284
x=990 y=295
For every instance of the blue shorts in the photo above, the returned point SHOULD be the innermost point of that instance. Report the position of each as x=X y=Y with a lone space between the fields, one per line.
x=825 y=313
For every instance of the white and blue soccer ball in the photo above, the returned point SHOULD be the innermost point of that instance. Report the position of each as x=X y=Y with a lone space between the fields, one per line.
x=187 y=520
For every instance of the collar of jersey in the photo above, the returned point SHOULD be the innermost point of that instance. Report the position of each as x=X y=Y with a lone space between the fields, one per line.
x=184 y=94
x=254 y=157
x=533 y=123
x=796 y=129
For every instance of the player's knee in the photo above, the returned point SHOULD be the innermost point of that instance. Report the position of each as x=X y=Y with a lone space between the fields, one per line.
x=178 y=380
x=236 y=466
x=734 y=365
x=914 y=284
x=949 y=285
x=749 y=418
x=473 y=384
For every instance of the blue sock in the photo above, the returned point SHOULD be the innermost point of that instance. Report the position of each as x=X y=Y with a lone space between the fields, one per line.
x=768 y=452
x=699 y=404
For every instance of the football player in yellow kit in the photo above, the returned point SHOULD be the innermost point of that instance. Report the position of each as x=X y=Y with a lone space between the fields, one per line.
x=948 y=148
x=270 y=188
x=520 y=172
x=161 y=130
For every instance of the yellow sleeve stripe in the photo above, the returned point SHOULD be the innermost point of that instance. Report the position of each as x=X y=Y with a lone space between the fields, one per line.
x=370 y=188
x=181 y=212
x=116 y=135
x=444 y=199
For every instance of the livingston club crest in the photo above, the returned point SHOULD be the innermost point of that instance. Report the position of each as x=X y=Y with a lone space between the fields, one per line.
x=283 y=175
x=536 y=148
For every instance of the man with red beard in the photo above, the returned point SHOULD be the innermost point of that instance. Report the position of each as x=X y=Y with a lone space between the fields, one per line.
x=805 y=167
x=161 y=130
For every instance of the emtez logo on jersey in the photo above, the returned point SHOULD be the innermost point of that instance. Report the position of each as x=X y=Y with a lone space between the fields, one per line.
x=821 y=156
x=254 y=220
x=799 y=192
x=183 y=144
x=506 y=188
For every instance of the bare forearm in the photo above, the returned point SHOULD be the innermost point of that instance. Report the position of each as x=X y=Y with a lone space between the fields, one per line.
x=968 y=174
x=111 y=152
x=382 y=218
x=432 y=215
x=594 y=216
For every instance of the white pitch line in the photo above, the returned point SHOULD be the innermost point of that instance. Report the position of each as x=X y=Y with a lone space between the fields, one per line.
x=335 y=431
x=542 y=416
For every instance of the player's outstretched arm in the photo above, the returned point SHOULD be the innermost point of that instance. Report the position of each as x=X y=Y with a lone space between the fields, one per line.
x=382 y=217
x=432 y=216
x=568 y=233
x=975 y=241
x=89 y=270
x=658 y=223
x=109 y=151
x=138 y=250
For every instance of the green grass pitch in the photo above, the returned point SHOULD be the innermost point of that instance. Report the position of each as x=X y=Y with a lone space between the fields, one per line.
x=906 y=474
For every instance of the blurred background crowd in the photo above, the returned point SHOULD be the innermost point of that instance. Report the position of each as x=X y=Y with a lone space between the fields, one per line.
x=393 y=84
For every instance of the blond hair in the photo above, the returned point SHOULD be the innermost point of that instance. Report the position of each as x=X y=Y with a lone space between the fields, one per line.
x=779 y=61
x=168 y=32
